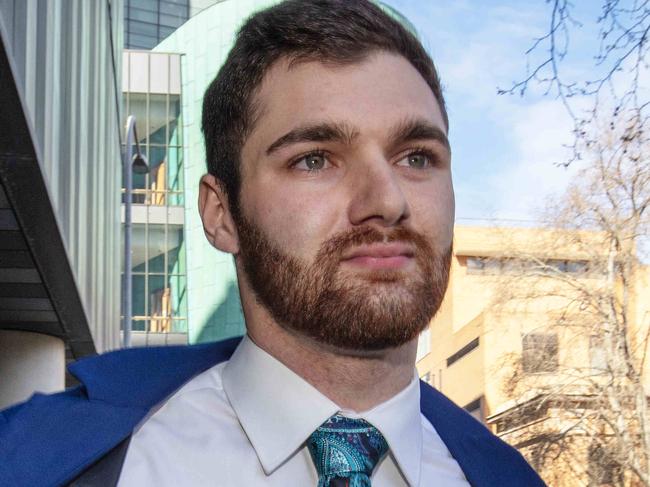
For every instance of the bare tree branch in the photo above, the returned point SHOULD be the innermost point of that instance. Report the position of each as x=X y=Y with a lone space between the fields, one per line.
x=588 y=419
x=620 y=62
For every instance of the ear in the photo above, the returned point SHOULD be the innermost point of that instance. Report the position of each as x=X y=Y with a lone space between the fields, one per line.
x=218 y=224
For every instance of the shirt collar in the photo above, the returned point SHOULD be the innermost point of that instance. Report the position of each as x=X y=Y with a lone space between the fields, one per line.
x=400 y=421
x=279 y=410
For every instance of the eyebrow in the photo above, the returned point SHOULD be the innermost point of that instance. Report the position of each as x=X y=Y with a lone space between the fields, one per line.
x=406 y=131
x=320 y=132
x=418 y=129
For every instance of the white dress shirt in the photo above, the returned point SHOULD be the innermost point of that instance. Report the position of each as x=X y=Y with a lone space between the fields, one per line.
x=245 y=423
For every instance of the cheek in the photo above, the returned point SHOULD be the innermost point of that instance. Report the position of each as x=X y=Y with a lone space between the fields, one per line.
x=433 y=213
x=297 y=222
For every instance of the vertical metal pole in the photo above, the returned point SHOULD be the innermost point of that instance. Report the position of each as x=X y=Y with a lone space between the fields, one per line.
x=127 y=283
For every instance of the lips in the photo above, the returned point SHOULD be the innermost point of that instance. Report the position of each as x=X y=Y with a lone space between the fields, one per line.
x=394 y=255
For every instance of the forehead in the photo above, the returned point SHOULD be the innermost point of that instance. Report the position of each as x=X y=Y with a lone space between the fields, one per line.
x=371 y=96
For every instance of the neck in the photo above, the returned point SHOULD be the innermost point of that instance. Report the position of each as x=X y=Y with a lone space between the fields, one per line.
x=354 y=381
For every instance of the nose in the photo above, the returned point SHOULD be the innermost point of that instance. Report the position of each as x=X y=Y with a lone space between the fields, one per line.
x=377 y=195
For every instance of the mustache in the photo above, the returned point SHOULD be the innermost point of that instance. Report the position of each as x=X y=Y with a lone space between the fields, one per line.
x=340 y=242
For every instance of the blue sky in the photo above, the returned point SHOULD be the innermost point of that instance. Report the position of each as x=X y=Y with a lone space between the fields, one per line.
x=504 y=147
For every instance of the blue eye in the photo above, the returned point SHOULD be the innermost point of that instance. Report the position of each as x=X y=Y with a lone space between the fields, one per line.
x=314 y=161
x=417 y=160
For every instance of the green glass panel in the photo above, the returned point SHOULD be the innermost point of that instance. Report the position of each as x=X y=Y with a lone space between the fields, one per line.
x=179 y=326
x=178 y=284
x=158 y=119
x=175 y=171
x=175 y=258
x=139 y=325
x=175 y=123
x=157 y=176
x=137 y=293
x=137 y=106
x=156 y=247
x=157 y=156
x=139 y=251
x=157 y=295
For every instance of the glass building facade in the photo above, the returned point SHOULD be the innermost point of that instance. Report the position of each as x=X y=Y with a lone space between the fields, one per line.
x=151 y=93
x=147 y=22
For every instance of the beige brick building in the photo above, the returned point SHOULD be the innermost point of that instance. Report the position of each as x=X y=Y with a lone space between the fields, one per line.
x=514 y=344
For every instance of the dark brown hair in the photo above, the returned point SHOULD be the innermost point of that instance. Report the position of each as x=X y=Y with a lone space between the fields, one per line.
x=333 y=31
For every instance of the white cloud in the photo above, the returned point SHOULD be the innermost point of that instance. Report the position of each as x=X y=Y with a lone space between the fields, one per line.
x=541 y=132
x=479 y=46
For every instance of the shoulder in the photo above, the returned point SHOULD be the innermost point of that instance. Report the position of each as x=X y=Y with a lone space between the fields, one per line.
x=142 y=377
x=481 y=454
x=69 y=430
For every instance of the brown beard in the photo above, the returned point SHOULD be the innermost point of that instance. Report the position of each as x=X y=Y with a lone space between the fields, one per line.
x=369 y=312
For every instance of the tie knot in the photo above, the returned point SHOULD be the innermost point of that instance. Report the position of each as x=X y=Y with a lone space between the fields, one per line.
x=344 y=448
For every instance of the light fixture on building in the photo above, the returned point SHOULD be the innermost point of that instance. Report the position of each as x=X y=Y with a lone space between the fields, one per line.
x=139 y=164
x=132 y=163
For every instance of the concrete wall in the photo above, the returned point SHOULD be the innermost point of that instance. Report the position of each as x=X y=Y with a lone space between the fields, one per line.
x=30 y=362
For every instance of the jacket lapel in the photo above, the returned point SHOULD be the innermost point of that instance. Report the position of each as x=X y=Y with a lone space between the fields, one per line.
x=72 y=430
x=485 y=459
x=106 y=471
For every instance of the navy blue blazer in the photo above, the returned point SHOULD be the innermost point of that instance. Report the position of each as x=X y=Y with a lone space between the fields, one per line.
x=50 y=440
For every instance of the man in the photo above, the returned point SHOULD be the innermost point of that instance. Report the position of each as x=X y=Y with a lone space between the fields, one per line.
x=330 y=183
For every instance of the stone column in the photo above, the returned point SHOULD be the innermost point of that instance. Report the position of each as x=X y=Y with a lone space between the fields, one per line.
x=29 y=362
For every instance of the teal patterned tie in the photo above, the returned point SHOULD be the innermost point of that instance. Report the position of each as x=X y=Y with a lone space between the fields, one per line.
x=346 y=451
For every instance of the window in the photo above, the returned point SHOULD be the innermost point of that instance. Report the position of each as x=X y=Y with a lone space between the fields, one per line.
x=159 y=300
x=159 y=292
x=490 y=265
x=141 y=15
x=159 y=130
x=475 y=408
x=487 y=265
x=475 y=265
x=178 y=11
x=148 y=22
x=424 y=345
x=540 y=353
x=603 y=469
x=577 y=266
x=568 y=266
x=522 y=415
x=462 y=352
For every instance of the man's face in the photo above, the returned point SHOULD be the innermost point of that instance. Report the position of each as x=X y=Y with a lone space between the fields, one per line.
x=347 y=202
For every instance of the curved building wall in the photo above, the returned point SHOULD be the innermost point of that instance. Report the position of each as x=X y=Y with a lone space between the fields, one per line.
x=214 y=309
